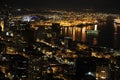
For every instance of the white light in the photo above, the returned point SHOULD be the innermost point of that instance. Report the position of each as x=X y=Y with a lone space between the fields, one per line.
x=95 y=27
x=103 y=71
x=12 y=34
x=102 y=77
x=26 y=18
x=18 y=9
x=7 y=33
x=90 y=73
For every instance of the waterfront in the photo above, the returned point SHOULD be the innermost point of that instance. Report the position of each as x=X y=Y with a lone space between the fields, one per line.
x=107 y=36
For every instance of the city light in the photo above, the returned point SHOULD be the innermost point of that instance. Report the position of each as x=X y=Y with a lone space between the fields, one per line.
x=59 y=43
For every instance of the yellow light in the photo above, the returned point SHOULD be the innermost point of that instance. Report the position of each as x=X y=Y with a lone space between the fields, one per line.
x=2 y=25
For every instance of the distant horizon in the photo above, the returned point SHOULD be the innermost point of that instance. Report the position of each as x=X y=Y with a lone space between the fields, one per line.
x=116 y=11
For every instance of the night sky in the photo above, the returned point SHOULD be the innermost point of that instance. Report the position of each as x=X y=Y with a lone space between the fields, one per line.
x=102 y=4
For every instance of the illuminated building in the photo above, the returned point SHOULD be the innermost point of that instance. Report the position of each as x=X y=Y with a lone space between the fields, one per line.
x=2 y=25
x=5 y=12
x=67 y=42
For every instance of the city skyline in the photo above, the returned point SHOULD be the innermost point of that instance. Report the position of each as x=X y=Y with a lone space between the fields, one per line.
x=59 y=40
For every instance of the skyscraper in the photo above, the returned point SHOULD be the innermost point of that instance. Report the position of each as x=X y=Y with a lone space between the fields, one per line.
x=5 y=13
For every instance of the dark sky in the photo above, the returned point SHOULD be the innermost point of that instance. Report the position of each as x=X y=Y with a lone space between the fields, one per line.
x=67 y=3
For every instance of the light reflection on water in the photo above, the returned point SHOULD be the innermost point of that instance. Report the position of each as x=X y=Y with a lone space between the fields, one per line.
x=108 y=35
x=76 y=33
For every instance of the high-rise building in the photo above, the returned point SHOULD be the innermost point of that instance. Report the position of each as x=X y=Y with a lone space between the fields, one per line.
x=68 y=42
x=5 y=13
x=2 y=24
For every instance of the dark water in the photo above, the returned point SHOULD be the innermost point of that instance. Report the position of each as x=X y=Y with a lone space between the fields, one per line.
x=109 y=34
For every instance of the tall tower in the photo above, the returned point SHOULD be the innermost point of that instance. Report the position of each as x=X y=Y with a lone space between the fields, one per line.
x=1 y=15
